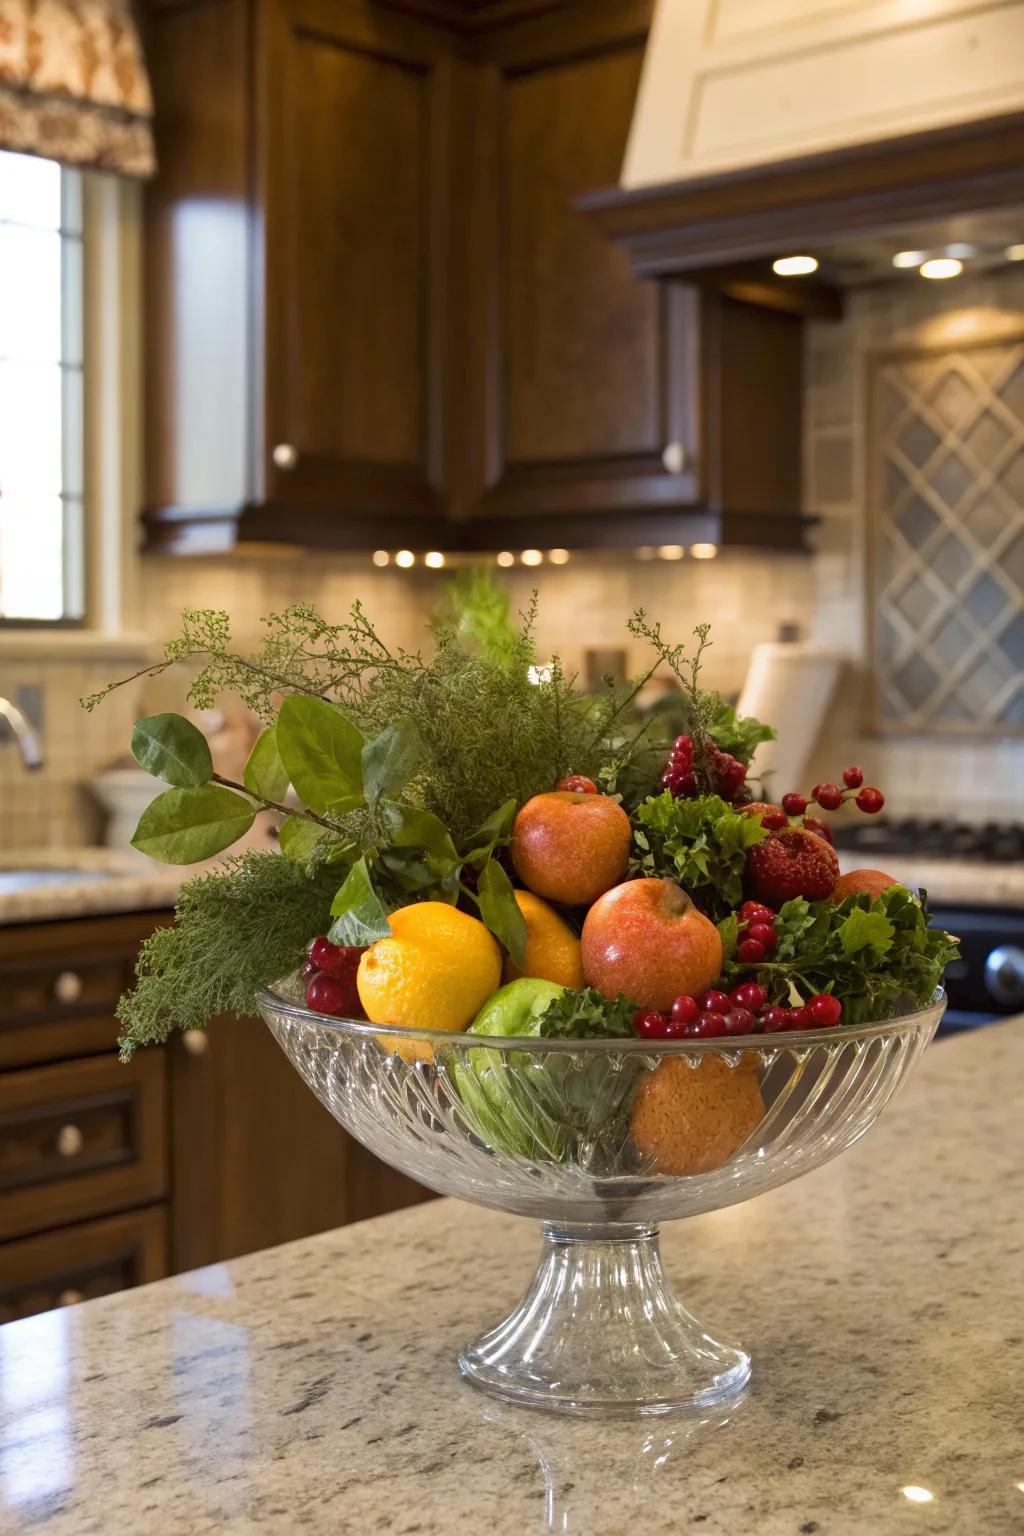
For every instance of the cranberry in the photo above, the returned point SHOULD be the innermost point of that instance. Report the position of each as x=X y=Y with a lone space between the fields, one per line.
x=819 y=828
x=685 y=1009
x=308 y=970
x=749 y=995
x=764 y=933
x=794 y=804
x=799 y=1018
x=714 y=1001
x=853 y=778
x=870 y=800
x=829 y=796
x=707 y=1027
x=329 y=994
x=824 y=1010
x=750 y=951
x=740 y=1021
x=334 y=959
x=578 y=782
x=682 y=748
x=775 y=1019
x=650 y=1025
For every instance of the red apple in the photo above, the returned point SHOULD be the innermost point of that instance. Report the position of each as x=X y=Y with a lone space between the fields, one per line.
x=647 y=940
x=570 y=845
x=862 y=882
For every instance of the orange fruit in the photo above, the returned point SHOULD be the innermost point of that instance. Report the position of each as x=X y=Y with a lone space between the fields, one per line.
x=552 y=949
x=435 y=972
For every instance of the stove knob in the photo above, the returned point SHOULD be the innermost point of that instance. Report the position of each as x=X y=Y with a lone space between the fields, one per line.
x=1004 y=975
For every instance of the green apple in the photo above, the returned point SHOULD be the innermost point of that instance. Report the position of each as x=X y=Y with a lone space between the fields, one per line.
x=509 y=1097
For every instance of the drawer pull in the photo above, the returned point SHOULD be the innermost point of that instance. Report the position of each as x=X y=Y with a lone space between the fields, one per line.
x=70 y=1298
x=285 y=456
x=70 y=1141
x=674 y=458
x=68 y=987
x=196 y=1042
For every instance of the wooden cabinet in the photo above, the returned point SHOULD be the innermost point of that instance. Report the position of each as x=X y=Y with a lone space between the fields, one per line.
x=378 y=316
x=114 y=1174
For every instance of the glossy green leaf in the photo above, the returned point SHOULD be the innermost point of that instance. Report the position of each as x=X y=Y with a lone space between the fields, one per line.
x=500 y=910
x=265 y=774
x=173 y=749
x=390 y=760
x=360 y=917
x=183 y=826
x=419 y=854
x=298 y=838
x=320 y=750
x=495 y=830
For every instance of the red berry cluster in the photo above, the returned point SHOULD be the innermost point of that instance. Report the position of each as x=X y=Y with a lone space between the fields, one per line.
x=743 y=1011
x=757 y=937
x=830 y=797
x=330 y=973
x=727 y=772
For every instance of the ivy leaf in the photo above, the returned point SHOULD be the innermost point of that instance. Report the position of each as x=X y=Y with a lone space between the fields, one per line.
x=494 y=831
x=183 y=826
x=862 y=928
x=390 y=760
x=173 y=749
x=320 y=751
x=360 y=917
x=265 y=775
x=500 y=910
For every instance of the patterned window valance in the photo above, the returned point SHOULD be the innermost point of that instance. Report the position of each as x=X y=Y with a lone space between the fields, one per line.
x=73 y=84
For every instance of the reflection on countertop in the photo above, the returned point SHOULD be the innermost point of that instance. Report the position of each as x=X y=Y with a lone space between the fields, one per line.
x=313 y=1387
x=37 y=884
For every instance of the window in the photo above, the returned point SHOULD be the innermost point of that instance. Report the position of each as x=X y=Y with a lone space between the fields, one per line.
x=42 y=559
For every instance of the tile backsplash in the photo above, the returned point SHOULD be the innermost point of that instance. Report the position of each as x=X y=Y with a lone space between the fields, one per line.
x=746 y=595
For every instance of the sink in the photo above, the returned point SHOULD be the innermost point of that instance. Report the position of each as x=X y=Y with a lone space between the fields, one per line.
x=12 y=880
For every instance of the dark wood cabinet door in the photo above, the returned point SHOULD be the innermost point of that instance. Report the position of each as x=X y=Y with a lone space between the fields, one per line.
x=256 y=1159
x=351 y=136
x=589 y=404
x=59 y=1269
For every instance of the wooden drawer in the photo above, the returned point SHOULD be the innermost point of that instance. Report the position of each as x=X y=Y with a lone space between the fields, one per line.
x=78 y=1263
x=79 y=1139
x=60 y=983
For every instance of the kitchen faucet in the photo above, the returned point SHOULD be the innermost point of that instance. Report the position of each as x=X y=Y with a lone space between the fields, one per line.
x=28 y=741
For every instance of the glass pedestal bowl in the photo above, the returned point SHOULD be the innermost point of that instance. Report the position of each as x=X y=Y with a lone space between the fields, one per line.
x=601 y=1140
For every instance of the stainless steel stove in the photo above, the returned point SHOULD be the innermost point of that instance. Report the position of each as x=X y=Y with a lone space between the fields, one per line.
x=987 y=983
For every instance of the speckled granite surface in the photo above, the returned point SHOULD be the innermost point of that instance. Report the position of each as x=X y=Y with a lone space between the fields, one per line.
x=312 y=1387
x=106 y=880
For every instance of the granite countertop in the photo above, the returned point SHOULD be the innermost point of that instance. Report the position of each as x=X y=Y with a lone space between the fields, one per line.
x=104 y=880
x=311 y=1388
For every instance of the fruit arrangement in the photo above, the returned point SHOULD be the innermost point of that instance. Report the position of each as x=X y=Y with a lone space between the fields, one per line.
x=470 y=844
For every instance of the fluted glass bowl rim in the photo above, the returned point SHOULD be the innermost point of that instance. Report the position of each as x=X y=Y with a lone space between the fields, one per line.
x=720 y=1045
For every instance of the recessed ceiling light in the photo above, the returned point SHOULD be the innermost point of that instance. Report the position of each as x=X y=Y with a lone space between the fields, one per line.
x=558 y=556
x=532 y=557
x=917 y=1495
x=1014 y=253
x=703 y=551
x=434 y=559
x=670 y=552
x=506 y=558
x=381 y=557
x=908 y=258
x=941 y=266
x=794 y=266
x=405 y=558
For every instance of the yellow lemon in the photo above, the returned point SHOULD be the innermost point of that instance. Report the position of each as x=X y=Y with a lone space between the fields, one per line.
x=552 y=949
x=435 y=972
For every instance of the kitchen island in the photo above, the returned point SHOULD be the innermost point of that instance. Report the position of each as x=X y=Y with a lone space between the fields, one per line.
x=312 y=1387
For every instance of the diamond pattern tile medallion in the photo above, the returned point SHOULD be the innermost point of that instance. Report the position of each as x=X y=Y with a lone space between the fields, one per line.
x=946 y=475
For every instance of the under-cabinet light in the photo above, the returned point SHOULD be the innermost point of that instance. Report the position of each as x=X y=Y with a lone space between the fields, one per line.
x=1014 y=253
x=940 y=267
x=670 y=551
x=434 y=559
x=794 y=266
x=405 y=558
x=908 y=258
x=703 y=551
x=558 y=556
x=532 y=557
x=505 y=559
x=381 y=557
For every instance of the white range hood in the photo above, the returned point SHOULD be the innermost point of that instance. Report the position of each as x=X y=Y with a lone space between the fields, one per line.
x=733 y=84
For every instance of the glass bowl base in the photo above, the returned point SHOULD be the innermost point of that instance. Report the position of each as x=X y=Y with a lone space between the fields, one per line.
x=600 y=1332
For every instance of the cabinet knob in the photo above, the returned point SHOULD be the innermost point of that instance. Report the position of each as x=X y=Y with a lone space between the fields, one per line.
x=70 y=1141
x=674 y=458
x=285 y=456
x=195 y=1041
x=67 y=988
x=70 y=1298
